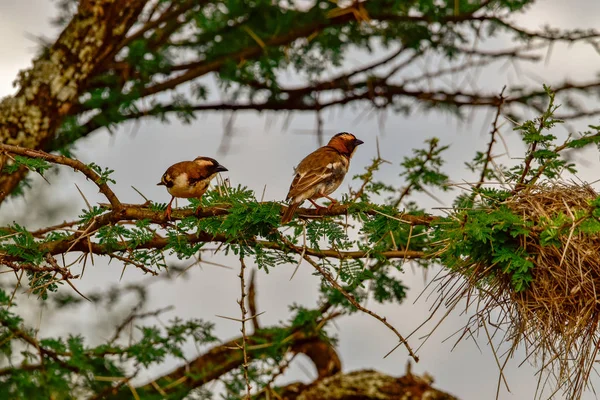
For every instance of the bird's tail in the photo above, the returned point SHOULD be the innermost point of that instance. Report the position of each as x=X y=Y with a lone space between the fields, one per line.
x=289 y=213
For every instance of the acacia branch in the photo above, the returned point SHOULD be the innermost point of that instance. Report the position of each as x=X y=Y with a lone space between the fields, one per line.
x=62 y=160
x=52 y=86
x=377 y=91
x=413 y=183
x=304 y=99
x=65 y=273
x=158 y=242
x=202 y=67
x=228 y=356
x=43 y=351
x=170 y=14
x=135 y=212
x=351 y=298
x=83 y=241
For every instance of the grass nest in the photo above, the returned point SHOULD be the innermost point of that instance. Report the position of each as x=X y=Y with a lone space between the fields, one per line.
x=555 y=317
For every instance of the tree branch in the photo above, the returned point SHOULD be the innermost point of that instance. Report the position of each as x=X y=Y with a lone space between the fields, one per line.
x=364 y=385
x=228 y=356
x=252 y=301
x=49 y=89
x=75 y=164
x=488 y=154
x=244 y=347
x=352 y=300
x=374 y=90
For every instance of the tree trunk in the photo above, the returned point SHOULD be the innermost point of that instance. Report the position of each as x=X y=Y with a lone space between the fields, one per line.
x=49 y=89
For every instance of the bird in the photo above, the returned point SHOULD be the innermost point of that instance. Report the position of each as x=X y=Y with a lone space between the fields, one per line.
x=189 y=179
x=320 y=173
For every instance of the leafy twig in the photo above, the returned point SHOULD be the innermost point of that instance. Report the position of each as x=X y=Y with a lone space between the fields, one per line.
x=76 y=164
x=352 y=300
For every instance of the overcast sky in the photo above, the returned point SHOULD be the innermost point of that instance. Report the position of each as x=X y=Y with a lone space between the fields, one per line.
x=139 y=154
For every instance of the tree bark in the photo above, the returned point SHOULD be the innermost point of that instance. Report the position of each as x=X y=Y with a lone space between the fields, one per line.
x=228 y=356
x=330 y=384
x=364 y=385
x=49 y=89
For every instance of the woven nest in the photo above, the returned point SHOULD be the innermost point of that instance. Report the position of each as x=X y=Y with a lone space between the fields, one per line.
x=556 y=318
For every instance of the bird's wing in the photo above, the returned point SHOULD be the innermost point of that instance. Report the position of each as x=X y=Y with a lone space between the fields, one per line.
x=316 y=168
x=193 y=172
x=168 y=178
x=197 y=173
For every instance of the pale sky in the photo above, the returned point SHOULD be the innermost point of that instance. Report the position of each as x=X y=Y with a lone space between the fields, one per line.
x=139 y=154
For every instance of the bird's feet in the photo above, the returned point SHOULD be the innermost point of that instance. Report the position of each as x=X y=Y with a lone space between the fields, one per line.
x=333 y=203
x=318 y=207
x=169 y=208
x=168 y=212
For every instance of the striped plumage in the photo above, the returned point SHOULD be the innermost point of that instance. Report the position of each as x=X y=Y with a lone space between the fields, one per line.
x=321 y=172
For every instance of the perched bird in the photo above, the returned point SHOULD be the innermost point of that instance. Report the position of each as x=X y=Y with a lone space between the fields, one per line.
x=321 y=172
x=189 y=179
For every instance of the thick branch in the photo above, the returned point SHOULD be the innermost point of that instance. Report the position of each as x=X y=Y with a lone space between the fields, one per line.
x=304 y=99
x=364 y=385
x=374 y=90
x=196 y=69
x=82 y=241
x=158 y=242
x=53 y=84
x=228 y=356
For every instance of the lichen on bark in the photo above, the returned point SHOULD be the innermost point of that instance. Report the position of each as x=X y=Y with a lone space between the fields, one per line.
x=366 y=385
x=57 y=78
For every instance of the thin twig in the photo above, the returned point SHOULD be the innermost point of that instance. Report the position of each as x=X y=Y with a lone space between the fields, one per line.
x=252 y=300
x=351 y=298
x=76 y=164
x=493 y=132
x=242 y=304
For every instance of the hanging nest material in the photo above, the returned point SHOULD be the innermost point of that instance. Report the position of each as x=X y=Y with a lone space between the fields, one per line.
x=556 y=317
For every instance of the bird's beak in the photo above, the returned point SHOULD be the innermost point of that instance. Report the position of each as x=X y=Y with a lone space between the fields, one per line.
x=221 y=168
x=159 y=183
x=358 y=142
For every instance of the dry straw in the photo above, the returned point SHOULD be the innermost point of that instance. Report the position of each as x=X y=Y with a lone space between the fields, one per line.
x=556 y=319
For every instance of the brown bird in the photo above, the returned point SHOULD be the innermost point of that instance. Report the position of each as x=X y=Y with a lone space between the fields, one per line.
x=189 y=179
x=321 y=172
